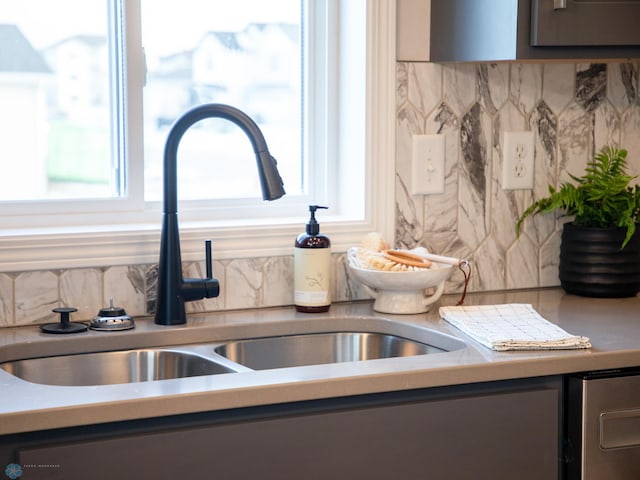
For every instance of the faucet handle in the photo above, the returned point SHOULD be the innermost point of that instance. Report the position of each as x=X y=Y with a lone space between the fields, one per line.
x=207 y=258
x=211 y=285
x=199 y=288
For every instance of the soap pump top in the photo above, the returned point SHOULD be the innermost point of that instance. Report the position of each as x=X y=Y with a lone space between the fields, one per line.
x=312 y=238
x=313 y=227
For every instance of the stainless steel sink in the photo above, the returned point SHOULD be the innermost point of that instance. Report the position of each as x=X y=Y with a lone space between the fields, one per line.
x=105 y=368
x=320 y=348
x=286 y=344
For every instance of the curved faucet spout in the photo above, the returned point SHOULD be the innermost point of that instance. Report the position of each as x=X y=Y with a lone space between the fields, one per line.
x=272 y=186
x=173 y=290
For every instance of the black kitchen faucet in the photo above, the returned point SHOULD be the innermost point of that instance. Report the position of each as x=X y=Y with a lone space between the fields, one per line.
x=173 y=289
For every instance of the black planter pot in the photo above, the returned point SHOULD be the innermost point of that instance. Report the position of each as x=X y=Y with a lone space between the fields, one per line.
x=593 y=265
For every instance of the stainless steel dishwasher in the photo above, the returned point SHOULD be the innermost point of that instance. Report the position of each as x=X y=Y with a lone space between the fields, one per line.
x=603 y=425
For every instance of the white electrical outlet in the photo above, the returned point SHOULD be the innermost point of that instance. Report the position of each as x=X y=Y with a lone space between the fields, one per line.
x=517 y=161
x=427 y=165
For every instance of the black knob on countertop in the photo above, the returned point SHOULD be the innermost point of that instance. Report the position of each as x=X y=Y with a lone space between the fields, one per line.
x=65 y=325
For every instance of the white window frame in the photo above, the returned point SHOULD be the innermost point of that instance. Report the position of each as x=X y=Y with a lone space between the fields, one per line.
x=98 y=244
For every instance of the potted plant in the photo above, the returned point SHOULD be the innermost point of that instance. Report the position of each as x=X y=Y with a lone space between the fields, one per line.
x=600 y=250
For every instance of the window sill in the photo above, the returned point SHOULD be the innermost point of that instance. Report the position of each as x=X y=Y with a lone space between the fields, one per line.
x=140 y=244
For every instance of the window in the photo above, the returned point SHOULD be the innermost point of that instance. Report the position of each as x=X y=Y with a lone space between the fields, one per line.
x=247 y=54
x=342 y=129
x=54 y=83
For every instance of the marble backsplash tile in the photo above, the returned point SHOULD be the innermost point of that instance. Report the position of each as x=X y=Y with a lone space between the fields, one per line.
x=572 y=109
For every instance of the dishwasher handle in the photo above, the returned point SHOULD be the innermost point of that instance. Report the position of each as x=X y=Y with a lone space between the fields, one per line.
x=620 y=429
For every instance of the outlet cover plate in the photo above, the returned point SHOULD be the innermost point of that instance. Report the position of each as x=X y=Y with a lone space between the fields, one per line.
x=518 y=161
x=427 y=164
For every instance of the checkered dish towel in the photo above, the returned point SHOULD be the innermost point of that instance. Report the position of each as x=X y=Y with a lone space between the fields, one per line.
x=514 y=326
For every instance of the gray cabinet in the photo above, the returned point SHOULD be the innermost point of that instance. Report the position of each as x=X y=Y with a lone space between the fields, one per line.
x=585 y=23
x=507 y=30
x=473 y=432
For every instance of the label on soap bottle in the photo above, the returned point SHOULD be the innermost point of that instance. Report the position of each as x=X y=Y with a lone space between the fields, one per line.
x=312 y=276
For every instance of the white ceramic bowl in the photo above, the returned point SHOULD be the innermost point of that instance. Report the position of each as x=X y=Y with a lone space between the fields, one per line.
x=401 y=292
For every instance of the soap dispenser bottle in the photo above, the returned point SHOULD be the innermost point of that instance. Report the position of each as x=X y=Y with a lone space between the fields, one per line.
x=312 y=266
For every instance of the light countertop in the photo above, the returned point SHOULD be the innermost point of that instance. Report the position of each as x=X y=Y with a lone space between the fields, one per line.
x=613 y=326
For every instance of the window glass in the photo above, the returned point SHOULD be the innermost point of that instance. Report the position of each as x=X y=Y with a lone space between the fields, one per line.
x=246 y=53
x=57 y=81
x=54 y=91
x=337 y=154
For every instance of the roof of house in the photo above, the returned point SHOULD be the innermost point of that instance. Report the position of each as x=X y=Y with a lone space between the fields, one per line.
x=291 y=30
x=228 y=39
x=17 y=54
x=88 y=40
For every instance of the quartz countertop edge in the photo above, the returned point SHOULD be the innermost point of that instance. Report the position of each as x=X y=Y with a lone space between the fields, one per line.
x=612 y=325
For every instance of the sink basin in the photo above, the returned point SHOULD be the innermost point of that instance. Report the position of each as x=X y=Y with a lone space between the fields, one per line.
x=105 y=368
x=320 y=348
x=282 y=345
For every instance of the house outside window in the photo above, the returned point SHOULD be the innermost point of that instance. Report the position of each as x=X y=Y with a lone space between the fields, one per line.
x=24 y=77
